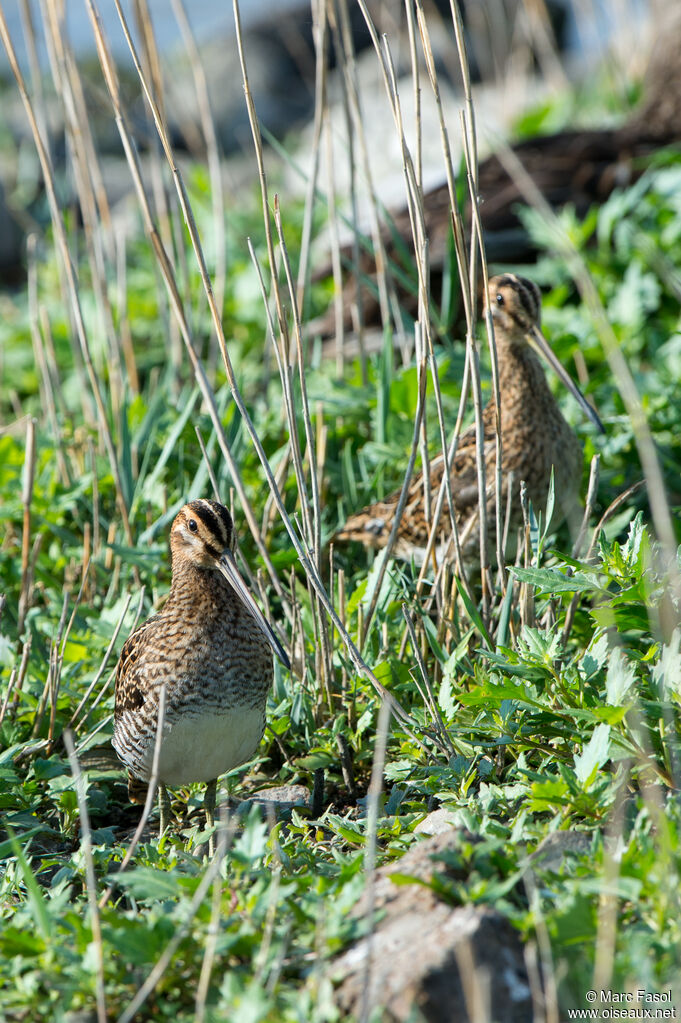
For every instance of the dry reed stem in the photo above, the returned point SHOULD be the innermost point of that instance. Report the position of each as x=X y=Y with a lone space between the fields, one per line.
x=16 y=680
x=53 y=372
x=89 y=188
x=476 y=982
x=427 y=694
x=416 y=80
x=315 y=537
x=404 y=494
x=209 y=952
x=124 y=331
x=28 y=479
x=273 y=895
x=29 y=33
x=12 y=677
x=51 y=669
x=548 y=972
x=285 y=374
x=49 y=402
x=107 y=654
x=448 y=449
x=209 y=467
x=607 y=913
x=342 y=37
x=168 y=275
x=112 y=85
x=415 y=209
x=91 y=880
x=103 y=690
x=68 y=272
x=373 y=806
x=212 y=149
x=352 y=94
x=319 y=35
x=591 y=497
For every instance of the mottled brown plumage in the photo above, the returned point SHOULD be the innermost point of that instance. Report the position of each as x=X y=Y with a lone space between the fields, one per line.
x=211 y=648
x=535 y=439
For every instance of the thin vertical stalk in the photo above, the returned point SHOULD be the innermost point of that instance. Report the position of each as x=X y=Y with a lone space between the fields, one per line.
x=212 y=148
x=26 y=499
x=319 y=34
x=91 y=879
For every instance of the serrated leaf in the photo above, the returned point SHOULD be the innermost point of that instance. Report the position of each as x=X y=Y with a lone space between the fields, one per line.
x=593 y=756
x=596 y=655
x=667 y=670
x=610 y=715
x=631 y=548
x=638 y=295
x=619 y=679
x=550 y=580
x=444 y=697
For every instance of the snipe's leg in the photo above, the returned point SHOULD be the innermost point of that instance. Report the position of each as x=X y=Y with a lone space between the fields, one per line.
x=209 y=807
x=163 y=808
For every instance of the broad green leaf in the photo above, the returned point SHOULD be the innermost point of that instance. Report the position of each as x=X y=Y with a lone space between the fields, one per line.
x=315 y=759
x=41 y=915
x=148 y=883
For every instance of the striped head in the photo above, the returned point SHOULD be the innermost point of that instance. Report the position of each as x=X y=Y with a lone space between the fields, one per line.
x=515 y=305
x=201 y=533
x=202 y=536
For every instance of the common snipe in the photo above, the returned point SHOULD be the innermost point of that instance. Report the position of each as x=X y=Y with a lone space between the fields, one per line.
x=535 y=440
x=212 y=648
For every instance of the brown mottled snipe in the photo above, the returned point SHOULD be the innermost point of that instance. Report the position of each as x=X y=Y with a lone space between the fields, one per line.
x=535 y=440
x=212 y=648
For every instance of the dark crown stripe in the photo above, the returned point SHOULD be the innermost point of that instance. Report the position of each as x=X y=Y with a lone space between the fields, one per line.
x=215 y=523
x=529 y=297
x=225 y=518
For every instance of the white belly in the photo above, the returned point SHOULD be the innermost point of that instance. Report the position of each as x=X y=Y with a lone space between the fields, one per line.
x=202 y=747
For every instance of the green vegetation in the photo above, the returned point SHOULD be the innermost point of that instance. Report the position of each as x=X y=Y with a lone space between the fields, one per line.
x=560 y=711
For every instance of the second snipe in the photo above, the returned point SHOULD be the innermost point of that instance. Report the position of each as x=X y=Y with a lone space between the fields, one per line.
x=536 y=440
x=212 y=650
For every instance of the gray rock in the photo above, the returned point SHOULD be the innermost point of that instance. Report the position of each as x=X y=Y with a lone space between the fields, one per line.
x=429 y=962
x=552 y=850
x=436 y=823
x=278 y=800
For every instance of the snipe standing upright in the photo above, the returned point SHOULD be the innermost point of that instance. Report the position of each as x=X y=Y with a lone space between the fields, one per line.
x=212 y=648
x=536 y=439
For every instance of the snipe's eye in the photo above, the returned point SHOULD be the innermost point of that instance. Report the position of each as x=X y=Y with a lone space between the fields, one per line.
x=500 y=298
x=193 y=526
